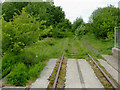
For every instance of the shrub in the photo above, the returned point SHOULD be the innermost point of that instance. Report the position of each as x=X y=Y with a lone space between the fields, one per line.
x=103 y=21
x=35 y=71
x=42 y=56
x=18 y=75
x=80 y=31
x=8 y=62
x=79 y=21
x=28 y=57
x=49 y=41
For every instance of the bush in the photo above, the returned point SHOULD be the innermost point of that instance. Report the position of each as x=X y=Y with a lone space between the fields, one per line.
x=49 y=41
x=8 y=62
x=28 y=57
x=77 y=23
x=42 y=56
x=103 y=21
x=18 y=75
x=34 y=72
x=80 y=31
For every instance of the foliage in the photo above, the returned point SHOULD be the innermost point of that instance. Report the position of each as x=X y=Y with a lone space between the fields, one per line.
x=9 y=9
x=8 y=62
x=103 y=21
x=18 y=76
x=103 y=46
x=22 y=31
x=27 y=39
x=35 y=70
x=44 y=11
x=28 y=57
x=77 y=23
x=62 y=29
x=80 y=31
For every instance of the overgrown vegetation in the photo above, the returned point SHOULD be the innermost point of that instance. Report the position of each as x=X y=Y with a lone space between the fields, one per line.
x=34 y=32
x=103 y=46
x=101 y=23
x=31 y=34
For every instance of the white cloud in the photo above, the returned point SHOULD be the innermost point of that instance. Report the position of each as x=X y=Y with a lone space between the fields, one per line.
x=83 y=8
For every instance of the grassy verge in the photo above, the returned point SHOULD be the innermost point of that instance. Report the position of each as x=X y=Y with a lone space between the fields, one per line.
x=102 y=46
x=25 y=67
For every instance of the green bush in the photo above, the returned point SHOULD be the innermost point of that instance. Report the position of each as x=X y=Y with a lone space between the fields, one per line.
x=80 y=31
x=103 y=21
x=34 y=71
x=42 y=56
x=49 y=41
x=8 y=62
x=28 y=57
x=18 y=76
x=77 y=23
x=9 y=9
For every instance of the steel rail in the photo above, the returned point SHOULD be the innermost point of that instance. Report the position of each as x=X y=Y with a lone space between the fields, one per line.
x=57 y=75
x=104 y=73
x=100 y=54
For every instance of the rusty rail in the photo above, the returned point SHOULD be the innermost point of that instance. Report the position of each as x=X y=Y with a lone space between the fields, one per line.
x=104 y=73
x=57 y=75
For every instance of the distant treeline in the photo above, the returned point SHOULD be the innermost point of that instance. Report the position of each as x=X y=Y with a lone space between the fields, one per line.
x=101 y=23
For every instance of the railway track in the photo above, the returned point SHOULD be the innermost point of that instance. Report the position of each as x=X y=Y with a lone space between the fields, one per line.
x=80 y=75
x=100 y=54
x=57 y=78
x=57 y=75
x=112 y=82
x=106 y=76
x=80 y=68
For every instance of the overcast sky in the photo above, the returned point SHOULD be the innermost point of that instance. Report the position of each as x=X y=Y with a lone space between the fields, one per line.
x=83 y=8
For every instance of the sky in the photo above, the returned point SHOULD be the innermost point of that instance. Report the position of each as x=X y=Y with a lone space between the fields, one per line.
x=82 y=8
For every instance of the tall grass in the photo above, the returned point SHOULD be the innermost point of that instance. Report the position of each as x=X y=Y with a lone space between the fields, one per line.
x=31 y=61
x=75 y=49
x=103 y=46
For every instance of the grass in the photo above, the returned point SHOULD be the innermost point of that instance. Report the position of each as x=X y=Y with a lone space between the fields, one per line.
x=33 y=59
x=43 y=49
x=78 y=50
x=36 y=55
x=102 y=46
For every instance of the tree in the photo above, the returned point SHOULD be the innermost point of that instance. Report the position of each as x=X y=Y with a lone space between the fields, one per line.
x=77 y=23
x=9 y=9
x=103 y=21
x=44 y=11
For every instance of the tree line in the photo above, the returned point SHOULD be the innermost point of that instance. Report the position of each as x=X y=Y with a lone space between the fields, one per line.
x=101 y=23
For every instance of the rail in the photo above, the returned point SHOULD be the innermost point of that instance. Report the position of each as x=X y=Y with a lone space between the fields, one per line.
x=104 y=73
x=57 y=75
